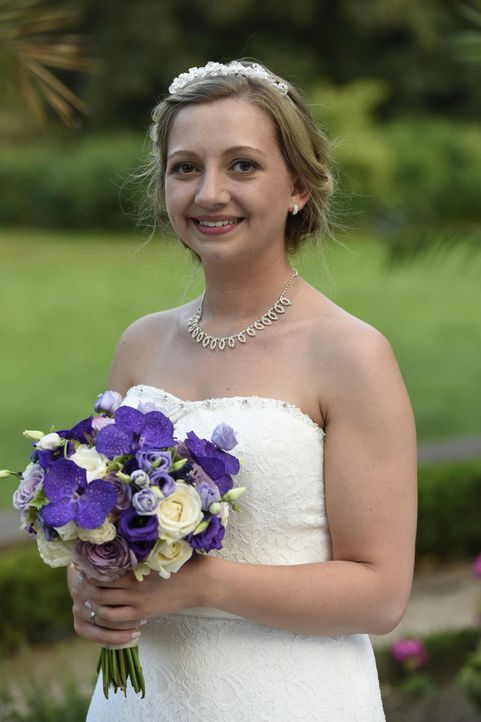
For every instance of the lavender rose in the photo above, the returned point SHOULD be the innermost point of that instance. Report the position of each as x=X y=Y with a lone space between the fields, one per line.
x=31 y=481
x=123 y=491
x=104 y=562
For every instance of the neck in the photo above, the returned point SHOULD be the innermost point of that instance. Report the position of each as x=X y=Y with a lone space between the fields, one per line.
x=238 y=296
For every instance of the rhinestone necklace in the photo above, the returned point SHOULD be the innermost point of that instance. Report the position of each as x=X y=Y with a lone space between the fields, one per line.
x=213 y=342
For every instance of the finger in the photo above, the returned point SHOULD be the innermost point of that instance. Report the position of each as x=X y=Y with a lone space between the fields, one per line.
x=103 y=635
x=116 y=617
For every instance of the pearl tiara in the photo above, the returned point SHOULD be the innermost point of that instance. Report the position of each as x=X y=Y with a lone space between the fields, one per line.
x=219 y=69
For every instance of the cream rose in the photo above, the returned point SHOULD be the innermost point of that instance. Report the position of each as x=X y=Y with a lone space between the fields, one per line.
x=167 y=558
x=179 y=513
x=55 y=553
x=102 y=534
x=95 y=464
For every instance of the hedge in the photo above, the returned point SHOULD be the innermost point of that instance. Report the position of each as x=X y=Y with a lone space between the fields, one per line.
x=404 y=176
x=449 y=510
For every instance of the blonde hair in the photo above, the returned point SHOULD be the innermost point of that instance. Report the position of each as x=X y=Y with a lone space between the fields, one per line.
x=305 y=148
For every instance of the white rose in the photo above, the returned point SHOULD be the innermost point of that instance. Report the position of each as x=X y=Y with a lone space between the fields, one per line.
x=105 y=533
x=167 y=558
x=179 y=513
x=55 y=553
x=50 y=442
x=68 y=531
x=95 y=464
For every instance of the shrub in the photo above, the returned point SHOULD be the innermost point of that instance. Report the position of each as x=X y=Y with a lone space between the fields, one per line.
x=70 y=184
x=42 y=706
x=35 y=605
x=449 y=503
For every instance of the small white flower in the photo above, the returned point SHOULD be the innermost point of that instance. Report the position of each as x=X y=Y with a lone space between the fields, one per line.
x=89 y=459
x=5 y=473
x=50 y=442
x=33 y=434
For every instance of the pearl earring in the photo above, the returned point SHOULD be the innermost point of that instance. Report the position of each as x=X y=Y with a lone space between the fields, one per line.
x=295 y=209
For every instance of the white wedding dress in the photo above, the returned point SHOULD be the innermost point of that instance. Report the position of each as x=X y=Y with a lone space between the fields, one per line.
x=205 y=665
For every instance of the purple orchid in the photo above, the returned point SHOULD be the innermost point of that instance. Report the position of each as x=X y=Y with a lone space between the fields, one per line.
x=81 y=432
x=216 y=463
x=132 y=431
x=210 y=538
x=73 y=499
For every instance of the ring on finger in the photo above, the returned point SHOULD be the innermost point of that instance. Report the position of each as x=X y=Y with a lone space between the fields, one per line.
x=92 y=617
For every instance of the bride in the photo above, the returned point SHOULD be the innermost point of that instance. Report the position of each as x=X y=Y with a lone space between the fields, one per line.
x=274 y=626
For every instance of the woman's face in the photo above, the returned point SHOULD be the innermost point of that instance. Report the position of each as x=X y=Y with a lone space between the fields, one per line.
x=228 y=189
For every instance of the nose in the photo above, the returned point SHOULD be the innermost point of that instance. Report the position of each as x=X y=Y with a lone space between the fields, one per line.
x=212 y=189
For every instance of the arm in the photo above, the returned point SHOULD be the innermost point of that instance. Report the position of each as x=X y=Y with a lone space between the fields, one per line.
x=370 y=480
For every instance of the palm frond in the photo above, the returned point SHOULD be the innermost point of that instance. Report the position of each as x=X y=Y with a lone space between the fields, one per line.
x=32 y=41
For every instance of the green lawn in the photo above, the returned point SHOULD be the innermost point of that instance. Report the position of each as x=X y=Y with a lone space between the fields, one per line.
x=65 y=298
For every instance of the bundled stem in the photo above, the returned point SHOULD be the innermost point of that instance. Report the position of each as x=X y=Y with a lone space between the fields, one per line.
x=118 y=667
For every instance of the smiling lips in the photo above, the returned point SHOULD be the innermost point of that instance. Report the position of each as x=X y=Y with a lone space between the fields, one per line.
x=215 y=225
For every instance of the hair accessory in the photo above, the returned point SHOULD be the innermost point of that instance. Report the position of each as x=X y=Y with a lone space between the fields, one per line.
x=213 y=342
x=295 y=209
x=220 y=69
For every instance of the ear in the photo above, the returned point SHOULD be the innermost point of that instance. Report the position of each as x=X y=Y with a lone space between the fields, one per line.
x=300 y=193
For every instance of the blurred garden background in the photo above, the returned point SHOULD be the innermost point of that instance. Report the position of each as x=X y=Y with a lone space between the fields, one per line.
x=397 y=87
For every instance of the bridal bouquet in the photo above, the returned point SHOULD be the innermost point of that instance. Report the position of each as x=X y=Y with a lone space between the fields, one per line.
x=119 y=493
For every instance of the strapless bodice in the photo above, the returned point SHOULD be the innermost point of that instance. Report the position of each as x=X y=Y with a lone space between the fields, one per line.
x=283 y=513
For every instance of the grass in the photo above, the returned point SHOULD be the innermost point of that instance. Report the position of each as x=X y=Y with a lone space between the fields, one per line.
x=66 y=298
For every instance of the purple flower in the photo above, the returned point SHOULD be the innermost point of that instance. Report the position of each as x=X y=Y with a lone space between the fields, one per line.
x=477 y=566
x=108 y=402
x=410 y=653
x=223 y=436
x=216 y=463
x=205 y=487
x=140 y=478
x=123 y=491
x=72 y=498
x=141 y=531
x=104 y=562
x=30 y=482
x=210 y=538
x=145 y=502
x=163 y=480
x=133 y=431
x=161 y=460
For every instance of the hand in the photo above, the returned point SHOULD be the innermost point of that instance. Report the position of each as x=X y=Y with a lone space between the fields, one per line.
x=122 y=606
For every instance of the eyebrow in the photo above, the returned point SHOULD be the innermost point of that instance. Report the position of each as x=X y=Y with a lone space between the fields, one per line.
x=228 y=151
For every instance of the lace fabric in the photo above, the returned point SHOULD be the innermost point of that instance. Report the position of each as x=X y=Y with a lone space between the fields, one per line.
x=205 y=664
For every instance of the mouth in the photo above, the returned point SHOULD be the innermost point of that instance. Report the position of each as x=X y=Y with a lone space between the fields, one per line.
x=216 y=225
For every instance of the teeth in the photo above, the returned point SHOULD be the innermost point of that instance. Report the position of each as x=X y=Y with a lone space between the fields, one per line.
x=216 y=224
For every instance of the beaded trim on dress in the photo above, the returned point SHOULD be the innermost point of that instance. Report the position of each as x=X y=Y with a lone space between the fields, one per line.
x=221 y=401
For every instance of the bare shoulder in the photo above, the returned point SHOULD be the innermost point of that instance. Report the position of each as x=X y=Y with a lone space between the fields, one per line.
x=137 y=343
x=356 y=363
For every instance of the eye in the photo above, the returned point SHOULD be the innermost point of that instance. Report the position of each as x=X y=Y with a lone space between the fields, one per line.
x=183 y=168
x=244 y=166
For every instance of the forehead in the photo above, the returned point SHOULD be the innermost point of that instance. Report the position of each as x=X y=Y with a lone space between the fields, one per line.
x=226 y=122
